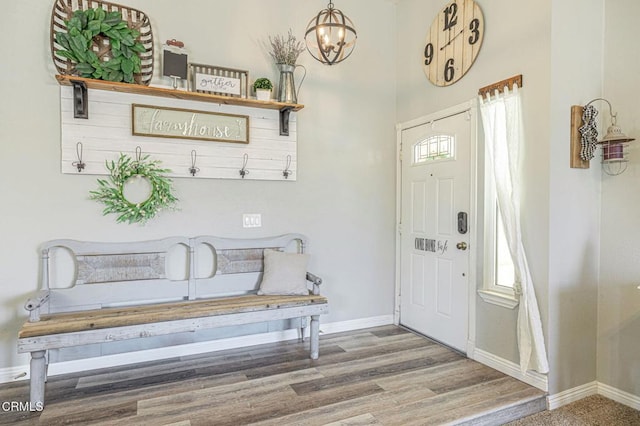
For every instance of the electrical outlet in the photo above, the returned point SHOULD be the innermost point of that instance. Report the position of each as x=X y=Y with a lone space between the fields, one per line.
x=252 y=220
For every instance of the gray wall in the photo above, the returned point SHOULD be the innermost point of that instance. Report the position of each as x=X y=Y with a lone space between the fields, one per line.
x=574 y=208
x=619 y=298
x=343 y=198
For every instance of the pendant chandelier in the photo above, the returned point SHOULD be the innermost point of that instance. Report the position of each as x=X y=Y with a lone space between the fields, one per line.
x=330 y=36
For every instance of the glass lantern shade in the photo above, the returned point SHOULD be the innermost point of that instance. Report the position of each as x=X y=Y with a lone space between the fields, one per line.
x=614 y=150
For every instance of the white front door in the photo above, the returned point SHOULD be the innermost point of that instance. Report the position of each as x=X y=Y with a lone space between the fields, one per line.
x=435 y=229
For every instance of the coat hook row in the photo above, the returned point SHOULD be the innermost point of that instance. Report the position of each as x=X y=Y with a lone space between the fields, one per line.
x=194 y=170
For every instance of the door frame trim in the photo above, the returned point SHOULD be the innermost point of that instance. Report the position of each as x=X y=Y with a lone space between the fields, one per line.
x=472 y=107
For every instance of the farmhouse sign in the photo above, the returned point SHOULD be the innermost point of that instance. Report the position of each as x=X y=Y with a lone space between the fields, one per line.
x=155 y=121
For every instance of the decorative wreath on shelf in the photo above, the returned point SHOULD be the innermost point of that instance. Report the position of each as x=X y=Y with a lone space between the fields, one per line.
x=111 y=194
x=90 y=27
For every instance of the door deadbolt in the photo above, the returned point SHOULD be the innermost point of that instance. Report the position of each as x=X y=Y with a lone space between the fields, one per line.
x=461 y=246
x=462 y=223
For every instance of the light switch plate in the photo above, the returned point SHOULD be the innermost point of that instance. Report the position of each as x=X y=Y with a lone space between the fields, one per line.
x=251 y=220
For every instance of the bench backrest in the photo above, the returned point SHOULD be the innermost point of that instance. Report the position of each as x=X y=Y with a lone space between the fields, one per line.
x=169 y=269
x=238 y=263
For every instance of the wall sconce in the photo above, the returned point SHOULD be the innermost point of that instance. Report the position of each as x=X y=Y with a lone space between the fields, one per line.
x=330 y=36
x=584 y=140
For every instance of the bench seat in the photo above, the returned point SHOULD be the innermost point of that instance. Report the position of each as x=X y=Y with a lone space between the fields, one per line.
x=166 y=318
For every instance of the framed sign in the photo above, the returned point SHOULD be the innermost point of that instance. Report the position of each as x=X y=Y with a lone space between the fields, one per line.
x=163 y=122
x=217 y=84
x=218 y=80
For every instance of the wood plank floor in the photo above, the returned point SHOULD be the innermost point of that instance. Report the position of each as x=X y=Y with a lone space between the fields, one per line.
x=384 y=375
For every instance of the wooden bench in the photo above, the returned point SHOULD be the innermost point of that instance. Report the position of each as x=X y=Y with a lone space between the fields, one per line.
x=123 y=291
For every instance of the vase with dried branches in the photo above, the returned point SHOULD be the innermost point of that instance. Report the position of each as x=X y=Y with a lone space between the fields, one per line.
x=285 y=51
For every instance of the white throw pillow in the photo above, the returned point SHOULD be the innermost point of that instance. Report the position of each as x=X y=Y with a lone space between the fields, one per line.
x=284 y=273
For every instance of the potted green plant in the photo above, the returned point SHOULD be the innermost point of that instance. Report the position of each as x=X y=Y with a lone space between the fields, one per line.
x=263 y=88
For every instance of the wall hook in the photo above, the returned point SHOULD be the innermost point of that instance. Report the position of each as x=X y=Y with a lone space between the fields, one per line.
x=193 y=169
x=136 y=164
x=244 y=171
x=79 y=164
x=286 y=172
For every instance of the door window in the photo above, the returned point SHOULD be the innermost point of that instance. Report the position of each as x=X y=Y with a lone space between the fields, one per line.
x=434 y=148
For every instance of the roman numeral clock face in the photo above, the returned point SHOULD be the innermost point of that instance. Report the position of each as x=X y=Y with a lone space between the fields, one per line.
x=453 y=42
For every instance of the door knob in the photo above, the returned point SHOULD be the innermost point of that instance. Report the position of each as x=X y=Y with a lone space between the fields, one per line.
x=461 y=246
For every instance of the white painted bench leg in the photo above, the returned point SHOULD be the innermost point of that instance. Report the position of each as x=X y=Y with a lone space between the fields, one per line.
x=38 y=377
x=315 y=336
x=303 y=328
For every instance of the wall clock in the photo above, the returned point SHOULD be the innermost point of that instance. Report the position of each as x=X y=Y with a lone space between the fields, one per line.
x=453 y=42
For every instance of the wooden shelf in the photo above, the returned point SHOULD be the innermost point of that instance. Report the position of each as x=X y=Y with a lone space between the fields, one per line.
x=284 y=108
x=139 y=89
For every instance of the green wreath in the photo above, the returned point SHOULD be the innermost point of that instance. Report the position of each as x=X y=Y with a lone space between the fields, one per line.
x=92 y=26
x=110 y=193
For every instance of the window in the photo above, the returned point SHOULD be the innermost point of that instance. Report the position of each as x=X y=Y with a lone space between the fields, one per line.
x=504 y=137
x=433 y=148
x=499 y=272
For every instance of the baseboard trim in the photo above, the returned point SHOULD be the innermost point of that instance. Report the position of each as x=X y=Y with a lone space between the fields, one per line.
x=11 y=374
x=14 y=374
x=571 y=395
x=512 y=369
x=357 y=324
x=594 y=388
x=620 y=396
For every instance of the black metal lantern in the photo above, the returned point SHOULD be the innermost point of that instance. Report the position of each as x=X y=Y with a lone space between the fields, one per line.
x=330 y=36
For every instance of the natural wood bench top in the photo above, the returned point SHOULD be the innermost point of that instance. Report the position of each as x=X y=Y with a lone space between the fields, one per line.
x=148 y=314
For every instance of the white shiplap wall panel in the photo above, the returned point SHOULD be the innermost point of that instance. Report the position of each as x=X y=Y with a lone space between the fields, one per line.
x=107 y=133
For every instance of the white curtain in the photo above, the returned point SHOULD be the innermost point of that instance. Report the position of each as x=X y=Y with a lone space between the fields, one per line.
x=504 y=136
